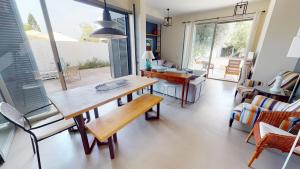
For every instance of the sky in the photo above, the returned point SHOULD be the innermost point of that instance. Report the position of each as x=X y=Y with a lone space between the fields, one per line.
x=66 y=16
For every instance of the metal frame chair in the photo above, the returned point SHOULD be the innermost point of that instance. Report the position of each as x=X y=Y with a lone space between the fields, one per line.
x=15 y=117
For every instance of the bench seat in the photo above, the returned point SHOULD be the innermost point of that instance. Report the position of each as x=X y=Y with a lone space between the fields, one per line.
x=107 y=125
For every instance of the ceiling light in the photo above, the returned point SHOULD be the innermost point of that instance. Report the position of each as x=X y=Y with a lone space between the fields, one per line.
x=168 y=19
x=240 y=8
x=109 y=30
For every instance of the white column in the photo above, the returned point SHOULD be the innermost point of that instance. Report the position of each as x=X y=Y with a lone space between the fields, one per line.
x=140 y=8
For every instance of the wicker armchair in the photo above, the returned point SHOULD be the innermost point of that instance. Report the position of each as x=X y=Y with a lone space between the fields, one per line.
x=274 y=137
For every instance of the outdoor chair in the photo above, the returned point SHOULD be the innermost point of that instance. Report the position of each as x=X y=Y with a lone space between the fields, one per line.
x=233 y=67
x=39 y=131
x=72 y=73
x=205 y=64
x=267 y=133
x=246 y=88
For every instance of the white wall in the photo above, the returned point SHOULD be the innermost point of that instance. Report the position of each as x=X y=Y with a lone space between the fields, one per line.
x=280 y=28
x=140 y=6
x=72 y=53
x=172 y=37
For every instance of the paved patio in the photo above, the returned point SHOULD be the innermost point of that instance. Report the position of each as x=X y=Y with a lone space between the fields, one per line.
x=88 y=76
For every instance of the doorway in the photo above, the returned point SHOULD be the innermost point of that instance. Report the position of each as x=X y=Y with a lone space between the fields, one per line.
x=219 y=48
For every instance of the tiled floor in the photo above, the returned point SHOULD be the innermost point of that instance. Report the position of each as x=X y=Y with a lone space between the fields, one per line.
x=194 y=137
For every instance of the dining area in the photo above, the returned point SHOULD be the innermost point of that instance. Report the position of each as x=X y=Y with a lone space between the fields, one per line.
x=79 y=112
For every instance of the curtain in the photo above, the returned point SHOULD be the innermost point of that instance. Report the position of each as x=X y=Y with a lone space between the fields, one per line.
x=250 y=47
x=187 y=44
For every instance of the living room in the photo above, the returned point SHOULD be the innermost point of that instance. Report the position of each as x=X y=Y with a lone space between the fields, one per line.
x=150 y=84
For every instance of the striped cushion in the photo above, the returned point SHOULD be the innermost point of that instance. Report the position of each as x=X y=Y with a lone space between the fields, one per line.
x=244 y=91
x=250 y=113
x=268 y=103
x=294 y=107
x=236 y=112
x=289 y=80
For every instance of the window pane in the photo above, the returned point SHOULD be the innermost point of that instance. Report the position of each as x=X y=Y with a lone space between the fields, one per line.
x=119 y=53
x=202 y=40
x=38 y=38
x=85 y=60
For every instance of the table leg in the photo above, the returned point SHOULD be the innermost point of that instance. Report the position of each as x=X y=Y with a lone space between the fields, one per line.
x=151 y=89
x=187 y=91
x=119 y=101
x=129 y=97
x=81 y=127
x=96 y=112
x=182 y=95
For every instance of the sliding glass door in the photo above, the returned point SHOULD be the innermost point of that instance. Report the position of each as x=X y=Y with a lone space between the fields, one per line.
x=86 y=60
x=203 y=39
x=229 y=49
x=219 y=48
x=120 y=55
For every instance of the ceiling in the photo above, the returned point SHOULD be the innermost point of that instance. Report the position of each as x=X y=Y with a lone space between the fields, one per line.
x=178 y=7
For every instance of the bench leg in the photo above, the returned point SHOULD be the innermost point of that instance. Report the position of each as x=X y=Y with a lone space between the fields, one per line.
x=111 y=148
x=148 y=117
x=129 y=97
x=115 y=138
x=158 y=110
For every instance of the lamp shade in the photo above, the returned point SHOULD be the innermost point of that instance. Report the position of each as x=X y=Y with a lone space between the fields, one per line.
x=109 y=30
x=295 y=47
x=148 y=55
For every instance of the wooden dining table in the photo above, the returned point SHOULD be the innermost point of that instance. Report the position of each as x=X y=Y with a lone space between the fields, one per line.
x=73 y=103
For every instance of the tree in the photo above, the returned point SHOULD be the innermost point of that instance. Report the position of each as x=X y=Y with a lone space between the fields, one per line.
x=31 y=24
x=239 y=37
x=87 y=30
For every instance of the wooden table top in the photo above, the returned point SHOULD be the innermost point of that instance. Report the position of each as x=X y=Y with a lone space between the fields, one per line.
x=171 y=74
x=74 y=102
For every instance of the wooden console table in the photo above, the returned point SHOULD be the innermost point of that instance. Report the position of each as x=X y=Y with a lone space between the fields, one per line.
x=178 y=78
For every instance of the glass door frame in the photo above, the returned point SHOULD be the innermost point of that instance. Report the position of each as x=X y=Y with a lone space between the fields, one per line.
x=214 y=38
x=54 y=45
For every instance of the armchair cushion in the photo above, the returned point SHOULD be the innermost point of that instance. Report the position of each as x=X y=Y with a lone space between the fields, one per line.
x=294 y=107
x=53 y=128
x=250 y=113
x=236 y=112
x=268 y=103
x=266 y=128
x=246 y=113
x=247 y=87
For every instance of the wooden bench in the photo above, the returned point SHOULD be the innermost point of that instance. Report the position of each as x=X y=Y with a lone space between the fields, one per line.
x=105 y=127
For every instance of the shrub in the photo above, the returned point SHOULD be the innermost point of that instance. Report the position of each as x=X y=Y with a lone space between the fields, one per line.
x=93 y=63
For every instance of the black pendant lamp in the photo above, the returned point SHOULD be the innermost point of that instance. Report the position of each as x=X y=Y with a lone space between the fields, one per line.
x=109 y=30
